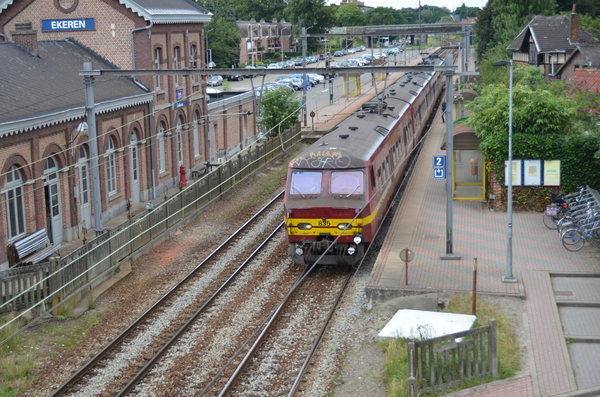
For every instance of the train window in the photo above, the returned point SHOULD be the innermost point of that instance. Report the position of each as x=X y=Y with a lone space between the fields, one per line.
x=305 y=182
x=373 y=180
x=346 y=183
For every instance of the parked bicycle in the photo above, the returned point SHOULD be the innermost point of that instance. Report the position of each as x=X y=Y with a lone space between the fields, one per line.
x=562 y=206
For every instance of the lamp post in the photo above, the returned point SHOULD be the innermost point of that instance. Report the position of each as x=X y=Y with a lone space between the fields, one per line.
x=509 y=276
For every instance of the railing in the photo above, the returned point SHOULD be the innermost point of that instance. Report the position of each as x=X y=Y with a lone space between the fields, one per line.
x=442 y=363
x=47 y=284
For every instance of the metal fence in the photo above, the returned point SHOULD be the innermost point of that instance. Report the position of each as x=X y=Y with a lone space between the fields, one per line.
x=48 y=284
x=441 y=363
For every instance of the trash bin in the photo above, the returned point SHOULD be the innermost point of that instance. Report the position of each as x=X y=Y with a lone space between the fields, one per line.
x=473 y=163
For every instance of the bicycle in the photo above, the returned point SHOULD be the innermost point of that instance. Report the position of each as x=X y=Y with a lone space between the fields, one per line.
x=562 y=206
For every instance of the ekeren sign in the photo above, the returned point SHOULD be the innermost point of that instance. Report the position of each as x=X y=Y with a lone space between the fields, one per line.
x=53 y=25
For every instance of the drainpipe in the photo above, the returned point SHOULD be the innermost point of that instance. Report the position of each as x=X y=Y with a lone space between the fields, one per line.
x=4 y=36
x=150 y=112
x=133 y=44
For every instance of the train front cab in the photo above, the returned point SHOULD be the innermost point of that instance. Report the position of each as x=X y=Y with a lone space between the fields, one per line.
x=321 y=205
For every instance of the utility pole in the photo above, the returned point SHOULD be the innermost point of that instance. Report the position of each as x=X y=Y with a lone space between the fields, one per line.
x=304 y=38
x=88 y=80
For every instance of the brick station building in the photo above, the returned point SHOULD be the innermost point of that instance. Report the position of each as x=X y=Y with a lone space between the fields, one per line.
x=147 y=127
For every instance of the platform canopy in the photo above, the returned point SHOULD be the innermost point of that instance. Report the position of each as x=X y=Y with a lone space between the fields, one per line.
x=464 y=138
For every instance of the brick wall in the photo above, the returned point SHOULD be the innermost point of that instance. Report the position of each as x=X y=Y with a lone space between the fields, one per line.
x=113 y=27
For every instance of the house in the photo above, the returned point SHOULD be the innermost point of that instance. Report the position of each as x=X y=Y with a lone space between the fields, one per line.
x=547 y=41
x=149 y=128
x=585 y=56
x=259 y=38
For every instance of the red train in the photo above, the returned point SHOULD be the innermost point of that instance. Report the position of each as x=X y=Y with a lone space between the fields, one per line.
x=339 y=189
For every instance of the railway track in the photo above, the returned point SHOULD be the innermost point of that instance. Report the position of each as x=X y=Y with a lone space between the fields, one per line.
x=124 y=361
x=278 y=359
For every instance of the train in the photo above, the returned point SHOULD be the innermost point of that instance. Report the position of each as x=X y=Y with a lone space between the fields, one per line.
x=339 y=189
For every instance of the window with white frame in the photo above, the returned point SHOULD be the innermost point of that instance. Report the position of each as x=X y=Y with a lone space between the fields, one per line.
x=178 y=132
x=196 y=130
x=176 y=56
x=157 y=61
x=162 y=164
x=194 y=61
x=111 y=171
x=15 y=208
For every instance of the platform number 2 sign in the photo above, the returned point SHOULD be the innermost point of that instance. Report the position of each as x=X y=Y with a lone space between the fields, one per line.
x=439 y=166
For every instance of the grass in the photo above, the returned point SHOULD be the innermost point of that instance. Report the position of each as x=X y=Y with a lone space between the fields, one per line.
x=19 y=357
x=396 y=355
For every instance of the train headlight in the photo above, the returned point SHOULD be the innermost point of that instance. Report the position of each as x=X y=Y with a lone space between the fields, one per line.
x=299 y=251
x=357 y=239
x=304 y=226
x=344 y=226
x=351 y=250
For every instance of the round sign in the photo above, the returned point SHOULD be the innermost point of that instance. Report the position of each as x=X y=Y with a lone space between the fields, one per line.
x=312 y=114
x=407 y=255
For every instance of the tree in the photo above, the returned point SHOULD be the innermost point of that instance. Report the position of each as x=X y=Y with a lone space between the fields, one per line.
x=547 y=124
x=484 y=33
x=314 y=15
x=381 y=16
x=350 y=15
x=407 y=15
x=279 y=110
x=222 y=33
x=259 y=9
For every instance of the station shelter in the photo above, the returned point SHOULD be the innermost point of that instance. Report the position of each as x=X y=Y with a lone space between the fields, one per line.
x=468 y=171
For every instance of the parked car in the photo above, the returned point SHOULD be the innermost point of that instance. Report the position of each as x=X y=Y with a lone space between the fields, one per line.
x=258 y=89
x=214 y=80
x=317 y=78
x=289 y=64
x=340 y=53
x=248 y=75
x=368 y=57
x=235 y=77
x=298 y=61
x=301 y=77
x=360 y=61
x=351 y=51
x=296 y=84
x=276 y=65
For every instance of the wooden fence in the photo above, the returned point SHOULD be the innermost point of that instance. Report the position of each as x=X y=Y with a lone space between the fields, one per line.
x=442 y=363
x=26 y=287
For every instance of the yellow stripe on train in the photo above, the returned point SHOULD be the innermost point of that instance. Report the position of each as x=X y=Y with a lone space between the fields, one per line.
x=318 y=226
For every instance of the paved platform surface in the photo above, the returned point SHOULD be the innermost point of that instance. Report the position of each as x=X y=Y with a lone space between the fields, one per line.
x=420 y=224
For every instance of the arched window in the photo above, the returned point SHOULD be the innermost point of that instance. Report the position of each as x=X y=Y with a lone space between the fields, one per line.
x=157 y=62
x=162 y=163
x=196 y=135
x=179 y=132
x=15 y=207
x=111 y=167
x=176 y=58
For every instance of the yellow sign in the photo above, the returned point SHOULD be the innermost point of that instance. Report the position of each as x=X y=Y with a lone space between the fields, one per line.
x=551 y=172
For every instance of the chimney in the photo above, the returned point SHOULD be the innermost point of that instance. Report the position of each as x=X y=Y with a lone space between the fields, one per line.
x=274 y=20
x=574 y=26
x=26 y=36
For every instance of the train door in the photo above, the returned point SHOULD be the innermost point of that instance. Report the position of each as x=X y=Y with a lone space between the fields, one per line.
x=53 y=207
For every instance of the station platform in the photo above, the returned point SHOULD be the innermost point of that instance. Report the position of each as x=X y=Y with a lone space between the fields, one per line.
x=538 y=259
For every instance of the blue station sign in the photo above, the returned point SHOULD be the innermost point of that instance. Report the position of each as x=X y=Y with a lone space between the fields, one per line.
x=178 y=105
x=53 y=25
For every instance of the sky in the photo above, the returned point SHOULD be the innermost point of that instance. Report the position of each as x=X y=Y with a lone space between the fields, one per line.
x=450 y=4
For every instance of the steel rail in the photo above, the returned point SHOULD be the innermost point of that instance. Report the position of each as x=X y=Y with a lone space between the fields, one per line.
x=320 y=335
x=164 y=349
x=274 y=317
x=63 y=388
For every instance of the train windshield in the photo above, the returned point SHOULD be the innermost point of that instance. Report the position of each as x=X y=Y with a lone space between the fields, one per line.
x=347 y=183
x=305 y=183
